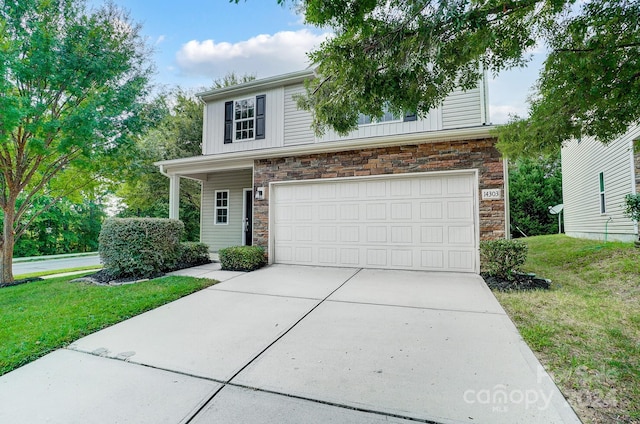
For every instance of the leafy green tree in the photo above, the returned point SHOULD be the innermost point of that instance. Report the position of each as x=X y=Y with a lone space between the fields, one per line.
x=410 y=54
x=534 y=185
x=72 y=85
x=175 y=131
x=64 y=227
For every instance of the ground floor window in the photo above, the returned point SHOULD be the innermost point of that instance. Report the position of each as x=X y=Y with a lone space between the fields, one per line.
x=603 y=203
x=222 y=207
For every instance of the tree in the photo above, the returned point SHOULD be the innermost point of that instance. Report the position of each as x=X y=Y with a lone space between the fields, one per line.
x=534 y=185
x=72 y=85
x=174 y=131
x=410 y=54
x=66 y=226
x=590 y=84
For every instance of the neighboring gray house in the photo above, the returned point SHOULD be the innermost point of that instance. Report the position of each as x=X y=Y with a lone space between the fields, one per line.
x=401 y=193
x=595 y=180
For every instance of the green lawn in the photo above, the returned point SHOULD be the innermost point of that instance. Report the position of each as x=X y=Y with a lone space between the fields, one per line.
x=39 y=317
x=586 y=329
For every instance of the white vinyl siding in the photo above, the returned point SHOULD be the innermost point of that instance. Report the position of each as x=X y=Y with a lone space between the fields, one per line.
x=582 y=164
x=417 y=222
x=297 y=128
x=432 y=122
x=462 y=109
x=214 y=125
x=221 y=207
x=220 y=236
x=286 y=125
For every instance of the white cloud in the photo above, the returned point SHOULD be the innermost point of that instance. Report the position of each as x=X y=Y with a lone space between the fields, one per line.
x=160 y=39
x=264 y=55
x=500 y=113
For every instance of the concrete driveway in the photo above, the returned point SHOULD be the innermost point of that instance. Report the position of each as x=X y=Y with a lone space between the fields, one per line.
x=289 y=344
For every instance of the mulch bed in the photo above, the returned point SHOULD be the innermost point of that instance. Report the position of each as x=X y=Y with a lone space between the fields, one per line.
x=18 y=282
x=103 y=278
x=519 y=283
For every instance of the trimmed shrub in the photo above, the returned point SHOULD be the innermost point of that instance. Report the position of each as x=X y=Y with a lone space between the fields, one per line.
x=193 y=254
x=242 y=258
x=139 y=247
x=503 y=258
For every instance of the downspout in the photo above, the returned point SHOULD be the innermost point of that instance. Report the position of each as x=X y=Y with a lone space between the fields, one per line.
x=507 y=214
x=606 y=229
x=633 y=179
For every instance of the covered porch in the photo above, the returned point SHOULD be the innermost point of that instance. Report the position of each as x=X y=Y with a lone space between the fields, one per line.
x=226 y=217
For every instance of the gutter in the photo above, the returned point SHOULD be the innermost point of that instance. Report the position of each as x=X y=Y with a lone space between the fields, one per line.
x=275 y=81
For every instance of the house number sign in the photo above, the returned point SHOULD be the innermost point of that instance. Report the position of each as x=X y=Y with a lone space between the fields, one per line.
x=491 y=194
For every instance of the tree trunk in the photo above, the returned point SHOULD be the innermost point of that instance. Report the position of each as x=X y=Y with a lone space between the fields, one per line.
x=6 y=248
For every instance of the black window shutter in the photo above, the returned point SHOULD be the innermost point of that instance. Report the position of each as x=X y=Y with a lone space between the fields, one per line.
x=410 y=116
x=260 y=115
x=228 y=122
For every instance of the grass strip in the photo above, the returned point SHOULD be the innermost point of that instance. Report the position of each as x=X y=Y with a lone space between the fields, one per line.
x=56 y=271
x=586 y=329
x=43 y=316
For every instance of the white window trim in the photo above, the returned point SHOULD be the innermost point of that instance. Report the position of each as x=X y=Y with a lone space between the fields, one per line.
x=216 y=207
x=241 y=140
x=602 y=197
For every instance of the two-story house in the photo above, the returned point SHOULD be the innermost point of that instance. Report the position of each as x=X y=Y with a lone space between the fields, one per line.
x=401 y=192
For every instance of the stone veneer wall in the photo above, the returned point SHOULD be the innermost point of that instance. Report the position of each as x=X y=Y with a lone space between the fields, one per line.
x=470 y=154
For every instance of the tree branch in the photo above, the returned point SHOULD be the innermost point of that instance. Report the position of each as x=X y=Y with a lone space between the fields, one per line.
x=21 y=228
x=593 y=49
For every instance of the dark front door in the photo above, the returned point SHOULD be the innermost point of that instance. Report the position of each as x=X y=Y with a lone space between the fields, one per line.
x=248 y=221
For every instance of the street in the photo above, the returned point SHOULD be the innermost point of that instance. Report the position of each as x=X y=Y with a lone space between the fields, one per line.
x=54 y=264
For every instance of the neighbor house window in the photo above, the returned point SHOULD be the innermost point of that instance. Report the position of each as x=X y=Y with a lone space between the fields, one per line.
x=603 y=203
x=222 y=207
x=244 y=119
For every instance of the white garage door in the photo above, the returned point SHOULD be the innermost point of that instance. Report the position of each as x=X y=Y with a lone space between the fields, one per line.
x=424 y=222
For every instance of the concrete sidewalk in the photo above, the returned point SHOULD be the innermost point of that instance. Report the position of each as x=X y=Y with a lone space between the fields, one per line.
x=289 y=344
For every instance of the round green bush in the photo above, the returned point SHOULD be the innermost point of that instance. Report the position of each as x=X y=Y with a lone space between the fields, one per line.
x=139 y=247
x=242 y=258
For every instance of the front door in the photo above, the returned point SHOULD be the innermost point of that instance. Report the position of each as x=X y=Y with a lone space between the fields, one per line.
x=247 y=217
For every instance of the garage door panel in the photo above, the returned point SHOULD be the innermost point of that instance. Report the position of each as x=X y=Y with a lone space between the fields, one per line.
x=431 y=210
x=459 y=209
x=459 y=185
x=460 y=260
x=401 y=188
x=460 y=235
x=432 y=260
x=284 y=233
x=411 y=222
x=402 y=234
x=402 y=211
x=349 y=212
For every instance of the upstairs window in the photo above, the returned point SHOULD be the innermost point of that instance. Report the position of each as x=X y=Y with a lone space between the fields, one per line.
x=386 y=117
x=244 y=119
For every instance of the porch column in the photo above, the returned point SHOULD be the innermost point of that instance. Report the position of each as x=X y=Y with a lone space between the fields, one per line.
x=174 y=197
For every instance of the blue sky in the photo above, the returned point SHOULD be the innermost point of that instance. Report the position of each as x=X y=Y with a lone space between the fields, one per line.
x=197 y=41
